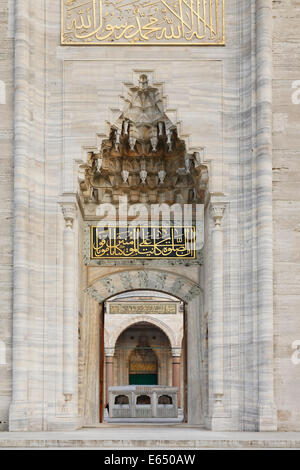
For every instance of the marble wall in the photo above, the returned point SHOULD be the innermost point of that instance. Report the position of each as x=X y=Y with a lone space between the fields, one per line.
x=6 y=206
x=222 y=95
x=286 y=208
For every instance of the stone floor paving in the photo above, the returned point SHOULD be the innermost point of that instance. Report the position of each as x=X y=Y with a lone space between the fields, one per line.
x=149 y=436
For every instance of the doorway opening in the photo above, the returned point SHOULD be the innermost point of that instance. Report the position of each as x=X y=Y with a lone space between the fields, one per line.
x=144 y=345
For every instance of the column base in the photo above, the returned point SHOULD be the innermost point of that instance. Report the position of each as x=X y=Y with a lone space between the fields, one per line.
x=219 y=420
x=267 y=417
x=18 y=417
x=220 y=424
x=25 y=416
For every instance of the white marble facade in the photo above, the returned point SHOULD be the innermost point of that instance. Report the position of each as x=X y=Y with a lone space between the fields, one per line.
x=222 y=97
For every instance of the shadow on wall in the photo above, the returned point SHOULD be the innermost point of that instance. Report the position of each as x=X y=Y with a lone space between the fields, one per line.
x=2 y=92
x=2 y=353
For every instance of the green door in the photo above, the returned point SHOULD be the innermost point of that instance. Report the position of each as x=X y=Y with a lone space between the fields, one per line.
x=143 y=379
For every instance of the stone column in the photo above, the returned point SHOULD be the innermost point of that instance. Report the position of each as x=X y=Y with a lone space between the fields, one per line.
x=195 y=371
x=69 y=293
x=176 y=362
x=267 y=419
x=216 y=338
x=109 y=363
x=154 y=399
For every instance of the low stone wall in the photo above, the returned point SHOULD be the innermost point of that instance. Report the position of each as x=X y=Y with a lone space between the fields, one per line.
x=136 y=401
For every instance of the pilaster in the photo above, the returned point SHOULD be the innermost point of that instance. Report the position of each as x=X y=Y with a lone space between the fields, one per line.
x=18 y=415
x=216 y=335
x=69 y=210
x=267 y=416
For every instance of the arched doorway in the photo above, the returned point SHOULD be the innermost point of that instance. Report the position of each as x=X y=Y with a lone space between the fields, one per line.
x=143 y=341
x=128 y=284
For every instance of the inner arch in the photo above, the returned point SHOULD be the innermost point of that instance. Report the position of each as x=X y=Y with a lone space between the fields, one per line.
x=143 y=355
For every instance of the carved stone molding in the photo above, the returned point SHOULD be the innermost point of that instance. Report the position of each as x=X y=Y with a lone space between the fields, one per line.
x=94 y=294
x=151 y=279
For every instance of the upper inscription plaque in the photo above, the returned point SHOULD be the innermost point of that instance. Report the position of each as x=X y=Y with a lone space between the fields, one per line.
x=142 y=22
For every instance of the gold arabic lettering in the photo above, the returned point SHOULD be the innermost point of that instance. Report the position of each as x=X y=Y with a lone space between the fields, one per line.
x=161 y=308
x=143 y=22
x=141 y=242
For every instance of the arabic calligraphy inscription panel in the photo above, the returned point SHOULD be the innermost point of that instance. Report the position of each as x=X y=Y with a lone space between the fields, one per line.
x=143 y=22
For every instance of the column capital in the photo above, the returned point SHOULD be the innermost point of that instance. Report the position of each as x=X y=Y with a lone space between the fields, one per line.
x=69 y=210
x=217 y=210
x=176 y=352
x=109 y=352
